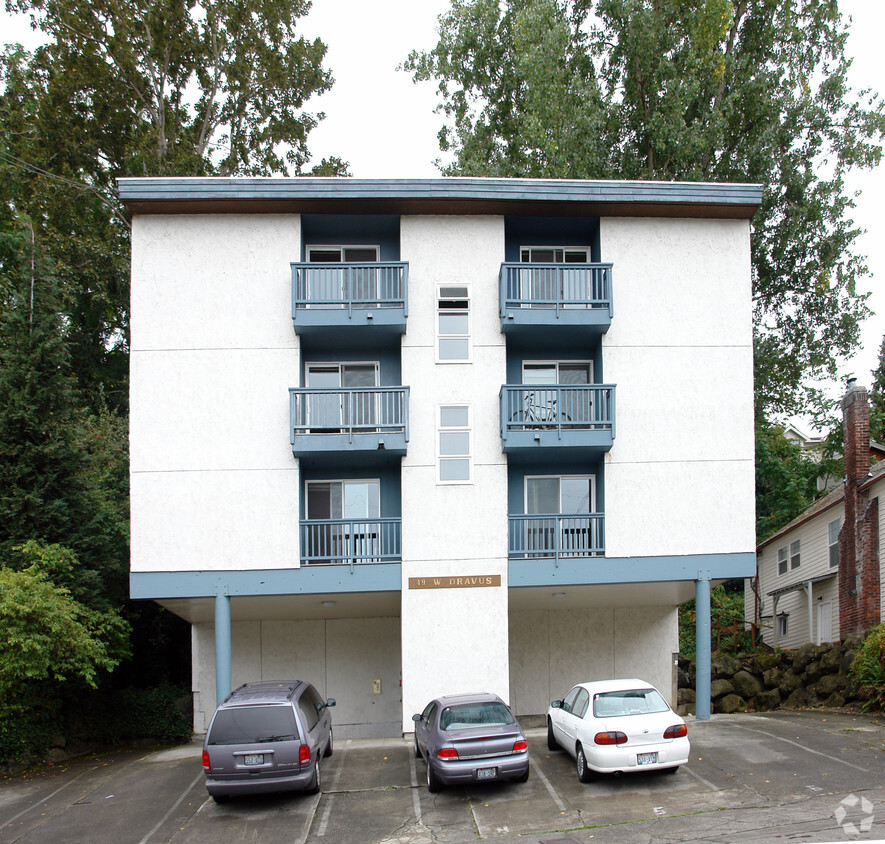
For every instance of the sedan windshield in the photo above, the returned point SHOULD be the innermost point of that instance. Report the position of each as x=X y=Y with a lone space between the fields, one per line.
x=628 y=702
x=253 y=724
x=467 y=715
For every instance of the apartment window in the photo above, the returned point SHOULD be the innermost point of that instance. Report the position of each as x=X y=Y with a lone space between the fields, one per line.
x=833 y=542
x=453 y=324
x=794 y=555
x=782 y=625
x=782 y=560
x=554 y=255
x=453 y=445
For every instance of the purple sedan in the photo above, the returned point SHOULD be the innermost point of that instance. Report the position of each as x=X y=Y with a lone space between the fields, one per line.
x=470 y=738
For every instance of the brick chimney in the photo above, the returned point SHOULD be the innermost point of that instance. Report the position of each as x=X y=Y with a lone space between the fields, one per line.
x=859 y=595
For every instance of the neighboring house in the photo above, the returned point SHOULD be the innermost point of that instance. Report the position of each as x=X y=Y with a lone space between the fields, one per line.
x=820 y=577
x=410 y=437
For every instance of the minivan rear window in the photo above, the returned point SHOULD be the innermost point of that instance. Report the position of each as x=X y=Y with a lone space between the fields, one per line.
x=253 y=725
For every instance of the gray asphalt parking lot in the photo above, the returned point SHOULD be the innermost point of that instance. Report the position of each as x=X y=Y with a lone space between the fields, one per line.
x=810 y=776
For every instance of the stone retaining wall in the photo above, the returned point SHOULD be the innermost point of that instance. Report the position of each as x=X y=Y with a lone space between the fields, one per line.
x=813 y=675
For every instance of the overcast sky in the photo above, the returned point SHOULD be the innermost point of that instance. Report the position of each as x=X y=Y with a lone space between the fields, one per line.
x=385 y=126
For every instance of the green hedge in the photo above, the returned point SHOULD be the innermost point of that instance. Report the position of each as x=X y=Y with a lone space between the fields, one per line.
x=868 y=668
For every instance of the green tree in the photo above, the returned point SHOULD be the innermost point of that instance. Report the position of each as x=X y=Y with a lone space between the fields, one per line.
x=143 y=89
x=711 y=90
x=47 y=638
x=877 y=398
x=786 y=480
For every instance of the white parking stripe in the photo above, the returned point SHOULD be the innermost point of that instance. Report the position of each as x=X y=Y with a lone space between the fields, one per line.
x=324 y=822
x=174 y=807
x=43 y=800
x=556 y=799
x=700 y=779
x=416 y=794
x=802 y=747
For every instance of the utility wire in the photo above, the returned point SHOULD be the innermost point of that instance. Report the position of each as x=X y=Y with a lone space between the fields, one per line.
x=10 y=159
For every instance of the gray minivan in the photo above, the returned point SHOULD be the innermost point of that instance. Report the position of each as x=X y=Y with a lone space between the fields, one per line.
x=267 y=737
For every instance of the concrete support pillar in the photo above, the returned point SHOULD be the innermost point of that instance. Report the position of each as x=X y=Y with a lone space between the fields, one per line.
x=222 y=648
x=702 y=646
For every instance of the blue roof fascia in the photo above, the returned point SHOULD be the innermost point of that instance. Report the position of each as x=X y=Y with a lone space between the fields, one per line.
x=305 y=189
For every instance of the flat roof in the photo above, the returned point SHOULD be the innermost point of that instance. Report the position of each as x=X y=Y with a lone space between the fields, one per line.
x=531 y=197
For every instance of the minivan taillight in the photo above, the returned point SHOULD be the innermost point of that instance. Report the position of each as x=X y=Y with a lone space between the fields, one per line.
x=676 y=731
x=520 y=745
x=612 y=737
x=206 y=761
x=304 y=754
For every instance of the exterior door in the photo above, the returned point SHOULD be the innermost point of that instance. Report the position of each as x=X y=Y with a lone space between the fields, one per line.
x=563 y=505
x=353 y=508
x=543 y=405
x=358 y=285
x=545 y=286
x=333 y=407
x=824 y=622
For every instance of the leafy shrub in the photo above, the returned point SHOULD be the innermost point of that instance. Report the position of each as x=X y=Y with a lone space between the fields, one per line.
x=868 y=668
x=127 y=715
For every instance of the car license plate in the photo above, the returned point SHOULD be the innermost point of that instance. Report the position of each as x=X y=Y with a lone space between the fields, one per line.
x=253 y=759
x=486 y=773
x=646 y=758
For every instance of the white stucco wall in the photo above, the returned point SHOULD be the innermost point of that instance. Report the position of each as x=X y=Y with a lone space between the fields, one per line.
x=453 y=529
x=551 y=651
x=681 y=354
x=214 y=483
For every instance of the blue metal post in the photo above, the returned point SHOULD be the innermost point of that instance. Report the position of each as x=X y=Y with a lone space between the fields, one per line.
x=222 y=647
x=702 y=646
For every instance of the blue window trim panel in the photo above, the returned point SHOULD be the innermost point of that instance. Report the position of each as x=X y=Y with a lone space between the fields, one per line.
x=316 y=580
x=602 y=570
x=308 y=580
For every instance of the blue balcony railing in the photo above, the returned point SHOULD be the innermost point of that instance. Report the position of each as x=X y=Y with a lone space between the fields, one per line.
x=350 y=291
x=556 y=536
x=582 y=413
x=351 y=541
x=343 y=419
x=556 y=288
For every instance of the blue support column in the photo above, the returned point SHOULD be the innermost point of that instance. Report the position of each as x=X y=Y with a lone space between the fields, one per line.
x=222 y=647
x=702 y=646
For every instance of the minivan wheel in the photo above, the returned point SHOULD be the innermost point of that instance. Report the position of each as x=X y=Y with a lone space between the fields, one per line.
x=329 y=747
x=584 y=773
x=314 y=787
x=552 y=743
x=434 y=784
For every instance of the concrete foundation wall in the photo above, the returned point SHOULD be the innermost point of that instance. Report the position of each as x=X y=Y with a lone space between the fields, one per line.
x=551 y=651
x=341 y=657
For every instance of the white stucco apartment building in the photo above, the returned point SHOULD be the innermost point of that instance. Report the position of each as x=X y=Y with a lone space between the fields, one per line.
x=410 y=437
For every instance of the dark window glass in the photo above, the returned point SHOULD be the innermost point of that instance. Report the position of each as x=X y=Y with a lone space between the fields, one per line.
x=254 y=724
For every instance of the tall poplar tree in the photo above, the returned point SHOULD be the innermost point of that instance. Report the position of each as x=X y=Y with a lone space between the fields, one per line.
x=695 y=90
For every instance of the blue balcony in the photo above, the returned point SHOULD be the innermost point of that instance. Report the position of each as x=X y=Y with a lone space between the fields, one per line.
x=556 y=536
x=579 y=416
x=341 y=421
x=365 y=295
x=534 y=297
x=351 y=542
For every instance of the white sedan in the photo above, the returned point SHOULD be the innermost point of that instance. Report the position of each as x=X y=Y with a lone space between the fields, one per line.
x=616 y=726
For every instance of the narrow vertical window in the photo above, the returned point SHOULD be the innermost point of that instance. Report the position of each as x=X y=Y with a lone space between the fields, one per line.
x=783 y=625
x=833 y=542
x=782 y=560
x=453 y=445
x=453 y=324
x=794 y=554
